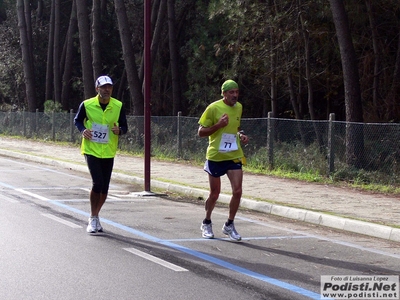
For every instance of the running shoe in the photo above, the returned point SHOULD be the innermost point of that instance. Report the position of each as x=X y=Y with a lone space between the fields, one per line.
x=92 y=225
x=231 y=231
x=206 y=231
x=99 y=227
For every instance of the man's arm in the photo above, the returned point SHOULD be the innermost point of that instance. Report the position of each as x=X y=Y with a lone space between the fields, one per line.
x=207 y=131
x=123 y=124
x=80 y=117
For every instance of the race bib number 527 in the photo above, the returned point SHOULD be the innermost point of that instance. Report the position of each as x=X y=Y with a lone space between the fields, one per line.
x=100 y=133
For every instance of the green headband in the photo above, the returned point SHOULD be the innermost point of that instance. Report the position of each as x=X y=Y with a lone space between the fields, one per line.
x=228 y=85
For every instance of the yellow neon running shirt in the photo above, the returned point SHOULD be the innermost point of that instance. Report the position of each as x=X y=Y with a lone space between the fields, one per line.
x=218 y=139
x=107 y=118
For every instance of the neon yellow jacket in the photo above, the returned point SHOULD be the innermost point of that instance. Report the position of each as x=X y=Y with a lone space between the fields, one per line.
x=105 y=146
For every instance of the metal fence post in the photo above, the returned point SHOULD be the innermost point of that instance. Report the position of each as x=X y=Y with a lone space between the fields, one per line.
x=24 y=122
x=270 y=140
x=53 y=126
x=179 y=134
x=331 y=143
x=71 y=125
x=36 y=122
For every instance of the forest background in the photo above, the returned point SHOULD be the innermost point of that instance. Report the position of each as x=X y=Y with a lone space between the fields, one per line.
x=295 y=58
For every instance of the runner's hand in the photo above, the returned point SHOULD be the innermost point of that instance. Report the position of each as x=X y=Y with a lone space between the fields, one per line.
x=116 y=130
x=87 y=134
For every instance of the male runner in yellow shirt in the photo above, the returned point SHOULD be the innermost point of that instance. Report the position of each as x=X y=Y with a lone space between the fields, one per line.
x=220 y=122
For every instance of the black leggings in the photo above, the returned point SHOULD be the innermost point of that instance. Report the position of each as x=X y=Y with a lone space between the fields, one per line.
x=100 y=169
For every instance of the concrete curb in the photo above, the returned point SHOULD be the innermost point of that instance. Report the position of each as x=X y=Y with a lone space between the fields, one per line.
x=299 y=214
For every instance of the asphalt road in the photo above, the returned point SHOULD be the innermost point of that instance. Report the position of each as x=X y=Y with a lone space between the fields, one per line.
x=152 y=248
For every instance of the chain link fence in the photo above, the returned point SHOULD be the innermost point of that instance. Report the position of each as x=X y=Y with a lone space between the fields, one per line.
x=354 y=152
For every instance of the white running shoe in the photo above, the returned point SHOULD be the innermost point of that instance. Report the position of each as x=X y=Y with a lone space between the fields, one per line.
x=92 y=225
x=99 y=227
x=206 y=231
x=231 y=231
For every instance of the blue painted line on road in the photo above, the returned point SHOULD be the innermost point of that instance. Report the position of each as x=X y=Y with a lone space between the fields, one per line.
x=106 y=221
x=289 y=237
x=200 y=255
x=7 y=185
x=235 y=268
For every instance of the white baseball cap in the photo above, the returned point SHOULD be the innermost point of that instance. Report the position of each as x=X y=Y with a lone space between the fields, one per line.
x=102 y=80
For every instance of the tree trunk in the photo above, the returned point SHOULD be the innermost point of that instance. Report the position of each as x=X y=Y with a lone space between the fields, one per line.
x=3 y=12
x=135 y=86
x=377 y=61
x=56 y=52
x=351 y=78
x=273 y=64
x=50 y=53
x=67 y=73
x=174 y=59
x=86 y=52
x=28 y=22
x=96 y=36
x=292 y=96
x=310 y=89
x=27 y=62
x=392 y=99
x=39 y=13
x=159 y=10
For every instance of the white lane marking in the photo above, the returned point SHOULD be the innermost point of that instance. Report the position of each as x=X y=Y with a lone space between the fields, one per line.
x=72 y=200
x=32 y=195
x=156 y=260
x=62 y=221
x=324 y=238
x=8 y=199
x=348 y=244
x=108 y=200
x=109 y=196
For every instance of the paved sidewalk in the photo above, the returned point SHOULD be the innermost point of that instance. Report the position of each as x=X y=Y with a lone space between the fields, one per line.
x=341 y=208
